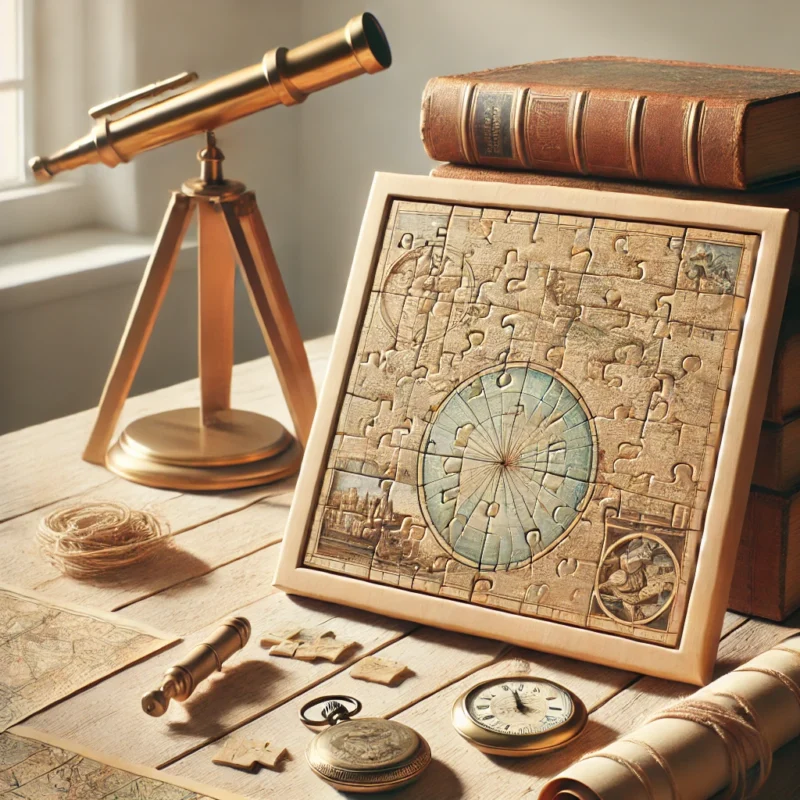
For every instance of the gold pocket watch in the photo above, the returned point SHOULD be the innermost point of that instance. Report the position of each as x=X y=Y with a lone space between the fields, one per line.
x=518 y=716
x=362 y=755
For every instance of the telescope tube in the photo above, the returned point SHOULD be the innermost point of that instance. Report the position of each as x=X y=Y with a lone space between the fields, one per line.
x=283 y=76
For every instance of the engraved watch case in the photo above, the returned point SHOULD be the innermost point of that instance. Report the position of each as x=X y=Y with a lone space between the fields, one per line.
x=363 y=755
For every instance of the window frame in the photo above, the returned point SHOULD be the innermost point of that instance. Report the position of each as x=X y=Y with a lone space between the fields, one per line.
x=28 y=209
x=24 y=85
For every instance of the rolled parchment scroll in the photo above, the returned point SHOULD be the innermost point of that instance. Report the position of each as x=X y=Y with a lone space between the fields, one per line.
x=688 y=759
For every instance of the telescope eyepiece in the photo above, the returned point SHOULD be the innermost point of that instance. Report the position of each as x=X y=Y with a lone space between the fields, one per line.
x=39 y=169
x=374 y=53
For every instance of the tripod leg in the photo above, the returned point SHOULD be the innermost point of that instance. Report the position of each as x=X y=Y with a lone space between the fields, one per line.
x=272 y=307
x=216 y=273
x=139 y=326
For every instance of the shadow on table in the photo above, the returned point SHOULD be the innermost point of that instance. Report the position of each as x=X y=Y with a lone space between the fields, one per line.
x=438 y=782
x=160 y=571
x=244 y=685
x=548 y=765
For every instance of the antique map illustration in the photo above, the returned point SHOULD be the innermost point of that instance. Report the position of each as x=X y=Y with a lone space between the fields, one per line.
x=533 y=412
x=33 y=767
x=48 y=651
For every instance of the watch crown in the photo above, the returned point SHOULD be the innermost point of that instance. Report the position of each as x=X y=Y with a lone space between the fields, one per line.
x=334 y=712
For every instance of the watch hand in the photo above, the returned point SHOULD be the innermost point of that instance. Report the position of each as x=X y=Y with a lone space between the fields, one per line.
x=520 y=705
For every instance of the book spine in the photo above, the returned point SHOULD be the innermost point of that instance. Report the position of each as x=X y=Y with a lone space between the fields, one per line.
x=608 y=133
x=759 y=580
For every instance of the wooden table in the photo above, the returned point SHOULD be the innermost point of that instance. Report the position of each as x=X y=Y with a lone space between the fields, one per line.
x=227 y=547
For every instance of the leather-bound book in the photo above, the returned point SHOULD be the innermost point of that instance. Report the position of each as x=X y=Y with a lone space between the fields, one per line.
x=659 y=121
x=766 y=580
x=784 y=389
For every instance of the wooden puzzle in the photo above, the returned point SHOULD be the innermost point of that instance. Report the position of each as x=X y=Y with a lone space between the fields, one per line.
x=531 y=413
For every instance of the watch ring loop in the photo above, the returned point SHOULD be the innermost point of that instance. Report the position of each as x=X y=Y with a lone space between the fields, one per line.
x=335 y=715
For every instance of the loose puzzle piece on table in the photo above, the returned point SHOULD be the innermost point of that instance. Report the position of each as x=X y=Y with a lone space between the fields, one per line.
x=48 y=651
x=306 y=645
x=533 y=412
x=247 y=754
x=380 y=670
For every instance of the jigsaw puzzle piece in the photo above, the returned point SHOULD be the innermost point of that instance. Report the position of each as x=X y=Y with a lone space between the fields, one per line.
x=559 y=241
x=710 y=267
x=622 y=294
x=613 y=368
x=662 y=447
x=483 y=344
x=505 y=283
x=713 y=311
x=610 y=245
x=696 y=363
x=657 y=250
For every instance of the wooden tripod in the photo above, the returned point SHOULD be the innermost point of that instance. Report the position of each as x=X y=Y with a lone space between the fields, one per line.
x=213 y=446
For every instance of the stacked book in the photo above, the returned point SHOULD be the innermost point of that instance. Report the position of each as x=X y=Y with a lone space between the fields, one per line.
x=694 y=131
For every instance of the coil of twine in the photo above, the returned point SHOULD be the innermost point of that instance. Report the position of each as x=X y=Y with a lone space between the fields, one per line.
x=88 y=539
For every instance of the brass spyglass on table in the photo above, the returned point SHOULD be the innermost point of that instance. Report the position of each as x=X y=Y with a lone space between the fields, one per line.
x=207 y=658
x=213 y=446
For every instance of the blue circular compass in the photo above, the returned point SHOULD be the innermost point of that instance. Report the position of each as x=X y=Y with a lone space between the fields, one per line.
x=506 y=466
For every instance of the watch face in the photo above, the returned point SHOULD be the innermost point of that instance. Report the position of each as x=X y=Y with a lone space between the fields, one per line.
x=519 y=706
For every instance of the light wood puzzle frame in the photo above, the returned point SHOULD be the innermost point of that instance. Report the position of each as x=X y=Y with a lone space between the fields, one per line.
x=691 y=659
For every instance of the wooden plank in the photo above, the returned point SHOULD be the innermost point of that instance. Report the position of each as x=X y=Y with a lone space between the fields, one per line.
x=199 y=546
x=251 y=684
x=426 y=651
x=224 y=563
x=421 y=651
x=31 y=480
x=462 y=772
x=254 y=683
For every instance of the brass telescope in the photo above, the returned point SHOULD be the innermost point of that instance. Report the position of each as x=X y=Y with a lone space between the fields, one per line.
x=283 y=76
x=213 y=447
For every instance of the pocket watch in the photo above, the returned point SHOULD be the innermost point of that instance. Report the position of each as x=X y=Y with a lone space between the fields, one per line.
x=362 y=755
x=518 y=716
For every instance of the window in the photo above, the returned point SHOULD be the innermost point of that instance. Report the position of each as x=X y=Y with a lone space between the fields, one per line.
x=13 y=94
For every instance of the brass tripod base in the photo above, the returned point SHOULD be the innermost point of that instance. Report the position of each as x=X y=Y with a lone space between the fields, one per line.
x=176 y=450
x=213 y=447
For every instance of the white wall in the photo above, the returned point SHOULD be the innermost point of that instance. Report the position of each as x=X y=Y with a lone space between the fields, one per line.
x=55 y=352
x=368 y=125
x=311 y=165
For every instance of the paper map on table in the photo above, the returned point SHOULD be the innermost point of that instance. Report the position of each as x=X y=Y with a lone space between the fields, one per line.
x=35 y=766
x=49 y=651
